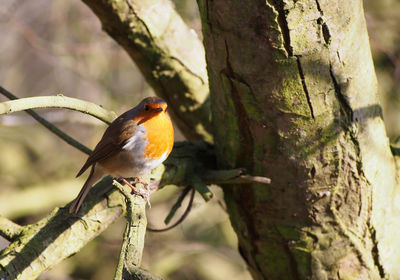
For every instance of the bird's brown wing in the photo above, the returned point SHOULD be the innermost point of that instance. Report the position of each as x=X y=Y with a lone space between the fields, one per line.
x=112 y=141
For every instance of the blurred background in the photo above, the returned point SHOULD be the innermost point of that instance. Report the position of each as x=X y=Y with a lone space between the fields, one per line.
x=57 y=47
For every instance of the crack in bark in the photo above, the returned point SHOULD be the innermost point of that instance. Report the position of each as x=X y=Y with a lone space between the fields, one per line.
x=246 y=141
x=303 y=83
x=343 y=102
x=283 y=24
x=326 y=33
x=319 y=8
x=325 y=30
x=246 y=149
x=375 y=251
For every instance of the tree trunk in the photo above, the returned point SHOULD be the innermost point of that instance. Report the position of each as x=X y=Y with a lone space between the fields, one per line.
x=294 y=98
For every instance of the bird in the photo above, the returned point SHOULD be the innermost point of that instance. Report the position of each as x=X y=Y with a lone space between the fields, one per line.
x=133 y=144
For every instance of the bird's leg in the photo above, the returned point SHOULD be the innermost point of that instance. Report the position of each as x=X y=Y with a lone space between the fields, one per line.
x=134 y=189
x=145 y=195
x=139 y=180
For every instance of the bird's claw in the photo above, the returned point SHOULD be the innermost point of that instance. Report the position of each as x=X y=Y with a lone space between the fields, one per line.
x=140 y=181
x=145 y=194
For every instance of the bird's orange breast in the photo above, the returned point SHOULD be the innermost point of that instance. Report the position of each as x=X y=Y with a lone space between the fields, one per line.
x=160 y=136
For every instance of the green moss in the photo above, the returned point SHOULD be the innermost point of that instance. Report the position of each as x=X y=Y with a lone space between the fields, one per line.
x=231 y=131
x=249 y=103
x=120 y=6
x=292 y=97
x=272 y=262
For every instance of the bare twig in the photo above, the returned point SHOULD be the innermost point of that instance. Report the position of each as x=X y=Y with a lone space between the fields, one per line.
x=232 y=176
x=58 y=101
x=176 y=206
x=49 y=126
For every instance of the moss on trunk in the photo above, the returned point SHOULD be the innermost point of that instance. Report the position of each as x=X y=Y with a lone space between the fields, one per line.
x=295 y=99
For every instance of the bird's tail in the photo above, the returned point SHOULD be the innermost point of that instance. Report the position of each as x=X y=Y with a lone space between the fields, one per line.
x=94 y=176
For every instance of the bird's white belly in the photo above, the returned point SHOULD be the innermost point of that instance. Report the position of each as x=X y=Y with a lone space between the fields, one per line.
x=131 y=160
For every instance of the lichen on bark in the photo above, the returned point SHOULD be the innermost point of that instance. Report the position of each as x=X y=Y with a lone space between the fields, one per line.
x=298 y=102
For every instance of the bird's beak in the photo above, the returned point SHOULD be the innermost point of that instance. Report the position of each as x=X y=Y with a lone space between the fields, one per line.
x=158 y=110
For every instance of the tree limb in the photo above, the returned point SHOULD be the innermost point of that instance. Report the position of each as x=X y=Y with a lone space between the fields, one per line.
x=59 y=235
x=152 y=34
x=42 y=245
x=58 y=101
x=8 y=229
x=132 y=244
x=49 y=125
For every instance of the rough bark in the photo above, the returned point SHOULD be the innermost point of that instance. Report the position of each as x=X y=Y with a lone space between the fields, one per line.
x=295 y=99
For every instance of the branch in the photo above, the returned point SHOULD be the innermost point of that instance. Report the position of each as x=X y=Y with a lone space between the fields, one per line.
x=232 y=176
x=58 y=101
x=133 y=242
x=8 y=229
x=59 y=235
x=56 y=237
x=49 y=126
x=152 y=34
x=178 y=204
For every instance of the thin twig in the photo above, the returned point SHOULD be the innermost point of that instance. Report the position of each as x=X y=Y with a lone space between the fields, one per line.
x=57 y=101
x=177 y=204
x=49 y=126
x=184 y=215
x=245 y=179
x=196 y=182
x=232 y=176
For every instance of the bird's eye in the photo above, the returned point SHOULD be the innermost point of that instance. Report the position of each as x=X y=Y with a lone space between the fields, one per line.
x=147 y=108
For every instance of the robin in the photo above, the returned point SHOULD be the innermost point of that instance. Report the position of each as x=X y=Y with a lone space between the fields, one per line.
x=134 y=144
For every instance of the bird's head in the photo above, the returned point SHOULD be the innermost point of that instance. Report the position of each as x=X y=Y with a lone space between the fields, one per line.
x=149 y=108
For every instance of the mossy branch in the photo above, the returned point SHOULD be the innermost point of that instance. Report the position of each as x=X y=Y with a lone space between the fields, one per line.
x=42 y=245
x=133 y=241
x=8 y=229
x=59 y=235
x=152 y=33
